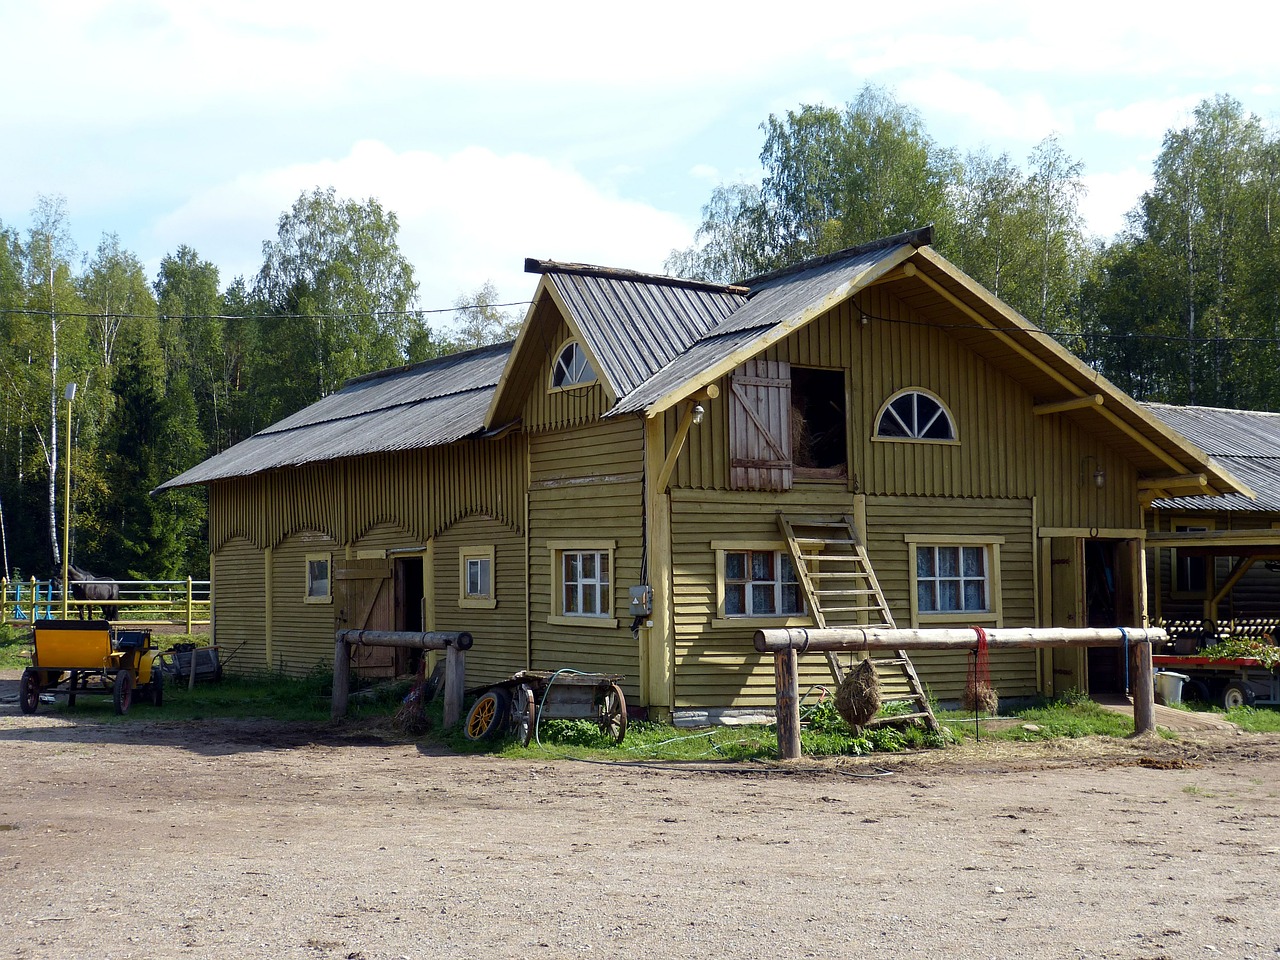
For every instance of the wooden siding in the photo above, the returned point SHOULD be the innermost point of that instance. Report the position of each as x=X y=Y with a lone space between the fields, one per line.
x=566 y=503
x=386 y=536
x=891 y=519
x=1004 y=449
x=421 y=491
x=240 y=604
x=301 y=633
x=547 y=409
x=715 y=662
x=500 y=644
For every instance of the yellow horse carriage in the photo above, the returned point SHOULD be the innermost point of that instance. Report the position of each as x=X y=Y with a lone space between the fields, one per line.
x=73 y=657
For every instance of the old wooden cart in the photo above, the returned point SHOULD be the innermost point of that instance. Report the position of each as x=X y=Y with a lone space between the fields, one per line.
x=73 y=657
x=517 y=705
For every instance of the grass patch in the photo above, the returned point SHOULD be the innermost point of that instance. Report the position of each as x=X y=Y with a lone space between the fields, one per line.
x=15 y=647
x=1072 y=715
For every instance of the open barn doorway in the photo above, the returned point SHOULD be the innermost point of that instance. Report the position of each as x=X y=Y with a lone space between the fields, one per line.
x=410 y=615
x=1108 y=602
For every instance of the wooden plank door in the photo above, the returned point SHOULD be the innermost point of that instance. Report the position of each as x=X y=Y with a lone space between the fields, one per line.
x=760 y=426
x=1066 y=606
x=364 y=599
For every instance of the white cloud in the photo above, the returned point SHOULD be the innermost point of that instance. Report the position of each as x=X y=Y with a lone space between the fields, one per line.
x=986 y=112
x=1109 y=197
x=1148 y=119
x=465 y=218
x=705 y=171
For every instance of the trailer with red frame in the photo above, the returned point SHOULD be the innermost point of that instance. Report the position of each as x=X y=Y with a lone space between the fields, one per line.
x=1232 y=682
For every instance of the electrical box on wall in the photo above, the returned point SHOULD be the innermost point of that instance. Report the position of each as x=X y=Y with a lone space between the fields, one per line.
x=641 y=601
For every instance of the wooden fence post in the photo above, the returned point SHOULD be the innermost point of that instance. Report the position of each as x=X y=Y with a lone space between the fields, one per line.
x=190 y=615
x=341 y=678
x=787 y=678
x=1142 y=686
x=454 y=680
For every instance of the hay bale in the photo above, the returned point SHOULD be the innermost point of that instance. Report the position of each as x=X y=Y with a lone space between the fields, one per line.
x=858 y=699
x=980 y=697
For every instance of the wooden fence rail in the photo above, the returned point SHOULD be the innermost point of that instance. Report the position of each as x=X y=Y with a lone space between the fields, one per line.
x=142 y=602
x=786 y=643
x=454 y=646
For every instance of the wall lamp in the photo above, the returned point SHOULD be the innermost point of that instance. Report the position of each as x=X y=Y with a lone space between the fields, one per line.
x=1099 y=475
x=699 y=411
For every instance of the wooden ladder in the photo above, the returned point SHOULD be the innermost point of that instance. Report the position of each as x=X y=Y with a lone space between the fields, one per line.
x=841 y=589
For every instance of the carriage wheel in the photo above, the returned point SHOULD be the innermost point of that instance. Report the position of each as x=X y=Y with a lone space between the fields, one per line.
x=29 y=690
x=155 y=688
x=524 y=713
x=122 y=691
x=613 y=713
x=489 y=715
x=1237 y=694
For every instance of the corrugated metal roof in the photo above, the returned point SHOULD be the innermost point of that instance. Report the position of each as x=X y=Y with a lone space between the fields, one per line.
x=635 y=328
x=774 y=301
x=409 y=408
x=1246 y=442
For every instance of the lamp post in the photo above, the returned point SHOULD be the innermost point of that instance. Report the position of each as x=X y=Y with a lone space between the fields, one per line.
x=66 y=508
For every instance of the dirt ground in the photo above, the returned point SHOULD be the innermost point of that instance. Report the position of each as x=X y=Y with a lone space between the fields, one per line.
x=149 y=839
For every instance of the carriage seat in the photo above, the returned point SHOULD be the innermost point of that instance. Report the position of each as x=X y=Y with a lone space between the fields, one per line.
x=130 y=639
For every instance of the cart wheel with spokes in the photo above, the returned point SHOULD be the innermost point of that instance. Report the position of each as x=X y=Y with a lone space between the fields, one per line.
x=29 y=690
x=524 y=713
x=122 y=691
x=489 y=715
x=613 y=713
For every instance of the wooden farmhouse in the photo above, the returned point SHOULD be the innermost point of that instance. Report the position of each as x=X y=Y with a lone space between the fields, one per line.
x=1214 y=562
x=657 y=467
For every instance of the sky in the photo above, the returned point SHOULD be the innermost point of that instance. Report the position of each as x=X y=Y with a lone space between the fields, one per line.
x=582 y=132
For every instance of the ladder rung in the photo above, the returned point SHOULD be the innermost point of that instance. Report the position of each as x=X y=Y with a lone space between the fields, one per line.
x=897 y=718
x=826 y=610
x=828 y=557
x=842 y=574
x=844 y=593
x=896 y=662
x=827 y=540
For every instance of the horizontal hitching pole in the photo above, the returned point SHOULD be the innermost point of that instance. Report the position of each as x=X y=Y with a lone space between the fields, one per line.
x=786 y=642
x=804 y=639
x=453 y=644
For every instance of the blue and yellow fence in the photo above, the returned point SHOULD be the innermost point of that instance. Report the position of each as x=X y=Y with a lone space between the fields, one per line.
x=142 y=602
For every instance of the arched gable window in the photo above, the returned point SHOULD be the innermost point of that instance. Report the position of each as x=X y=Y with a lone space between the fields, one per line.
x=572 y=367
x=913 y=414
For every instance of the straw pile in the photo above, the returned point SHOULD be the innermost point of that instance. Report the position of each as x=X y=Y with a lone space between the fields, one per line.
x=858 y=699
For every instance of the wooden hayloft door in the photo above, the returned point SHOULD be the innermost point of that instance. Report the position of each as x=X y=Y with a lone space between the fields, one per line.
x=760 y=426
x=364 y=599
x=1066 y=606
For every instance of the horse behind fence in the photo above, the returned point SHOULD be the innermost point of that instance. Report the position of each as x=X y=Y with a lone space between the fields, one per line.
x=91 y=590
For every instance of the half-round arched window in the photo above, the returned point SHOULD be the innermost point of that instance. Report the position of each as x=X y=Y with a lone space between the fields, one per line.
x=915 y=415
x=572 y=366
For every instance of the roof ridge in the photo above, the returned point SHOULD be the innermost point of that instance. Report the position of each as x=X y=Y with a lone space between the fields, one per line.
x=533 y=265
x=442 y=360
x=919 y=237
x=1194 y=406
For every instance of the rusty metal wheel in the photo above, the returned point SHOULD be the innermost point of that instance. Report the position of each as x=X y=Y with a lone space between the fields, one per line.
x=489 y=715
x=524 y=713
x=613 y=713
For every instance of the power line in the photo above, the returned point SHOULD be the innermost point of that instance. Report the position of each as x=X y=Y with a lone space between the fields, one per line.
x=99 y=315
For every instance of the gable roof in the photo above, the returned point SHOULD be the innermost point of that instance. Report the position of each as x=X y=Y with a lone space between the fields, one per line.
x=405 y=408
x=1247 y=442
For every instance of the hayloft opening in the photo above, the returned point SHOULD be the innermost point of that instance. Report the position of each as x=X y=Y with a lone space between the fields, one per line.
x=819 y=422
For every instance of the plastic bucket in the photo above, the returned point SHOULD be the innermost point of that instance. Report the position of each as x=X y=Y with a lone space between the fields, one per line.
x=1169 y=686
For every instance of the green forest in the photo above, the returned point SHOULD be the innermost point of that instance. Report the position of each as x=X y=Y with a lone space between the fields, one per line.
x=1183 y=307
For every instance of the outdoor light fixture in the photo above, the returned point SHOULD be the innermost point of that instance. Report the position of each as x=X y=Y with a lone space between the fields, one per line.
x=1099 y=475
x=699 y=411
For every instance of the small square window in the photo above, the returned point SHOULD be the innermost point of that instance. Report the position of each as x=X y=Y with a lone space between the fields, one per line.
x=476 y=577
x=760 y=583
x=319 y=585
x=583 y=585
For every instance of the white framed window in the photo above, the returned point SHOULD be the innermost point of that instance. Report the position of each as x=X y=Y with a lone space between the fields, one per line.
x=760 y=583
x=476 y=577
x=955 y=580
x=915 y=414
x=583 y=579
x=757 y=585
x=319 y=578
x=572 y=368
